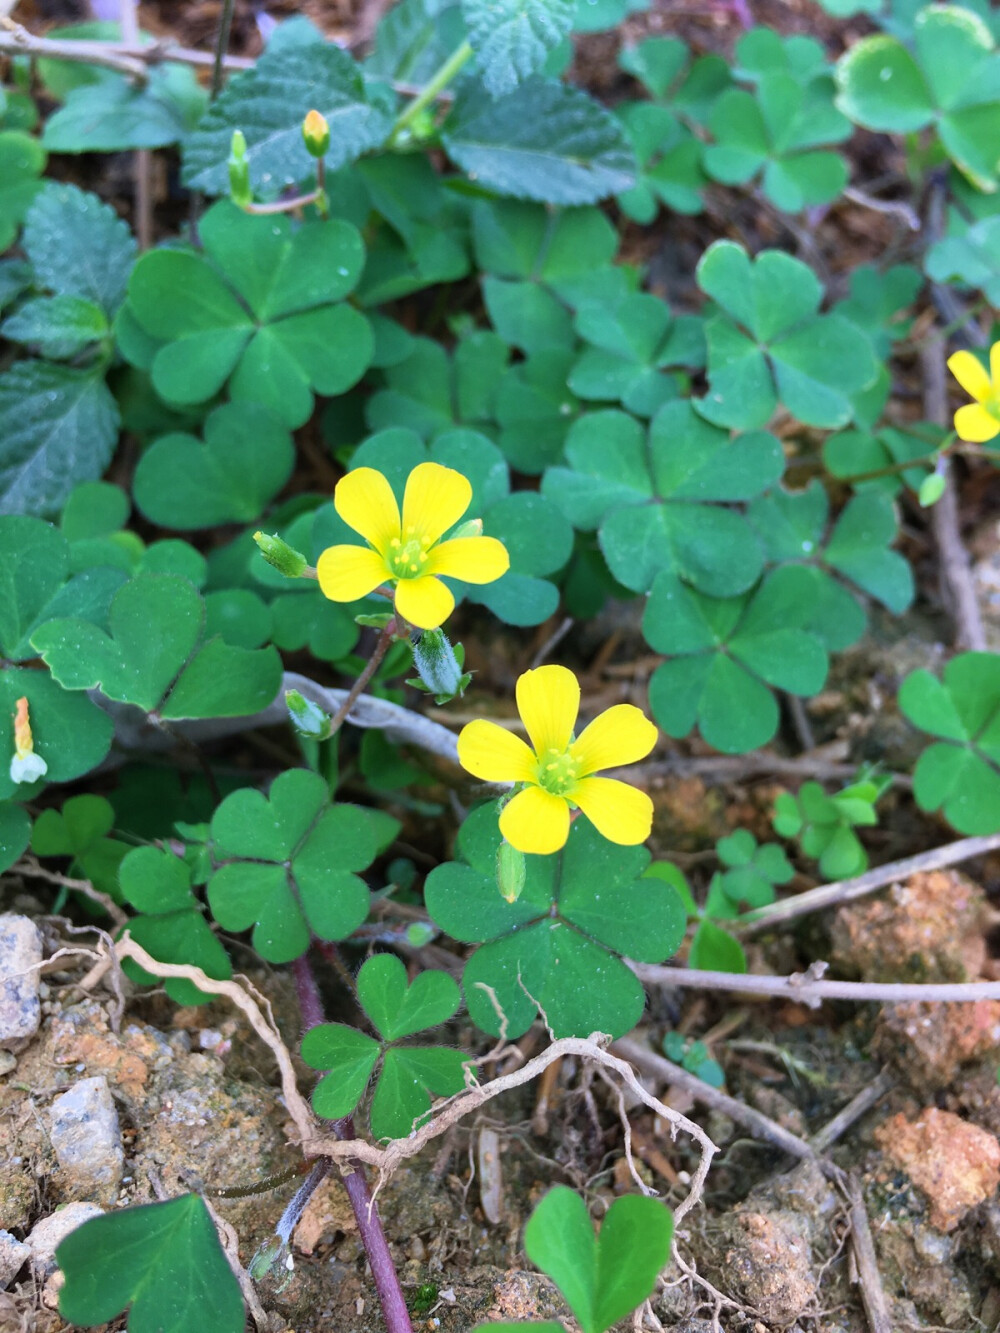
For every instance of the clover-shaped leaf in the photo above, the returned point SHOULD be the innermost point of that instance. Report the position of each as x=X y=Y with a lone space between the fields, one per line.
x=853 y=453
x=286 y=865
x=555 y=948
x=950 y=81
x=669 y=158
x=171 y=926
x=752 y=871
x=151 y=655
x=80 y=830
x=429 y=392
x=262 y=309
x=408 y=1074
x=771 y=345
x=658 y=504
x=560 y=248
x=777 y=132
x=605 y=1277
x=268 y=102
x=512 y=38
x=246 y=458
x=725 y=653
x=629 y=346
x=664 y=67
x=824 y=825
x=22 y=160
x=70 y=732
x=959 y=774
x=161 y=1261
x=534 y=410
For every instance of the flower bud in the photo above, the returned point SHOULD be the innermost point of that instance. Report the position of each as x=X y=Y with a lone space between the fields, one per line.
x=419 y=933
x=931 y=490
x=239 y=171
x=307 y=718
x=437 y=665
x=472 y=527
x=26 y=766
x=284 y=558
x=316 y=134
x=511 y=872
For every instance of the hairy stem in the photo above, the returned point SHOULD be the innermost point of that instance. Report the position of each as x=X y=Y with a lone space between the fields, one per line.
x=435 y=85
x=390 y=1293
x=357 y=689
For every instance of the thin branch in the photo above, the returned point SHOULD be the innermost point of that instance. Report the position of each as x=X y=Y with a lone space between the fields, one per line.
x=872 y=1292
x=858 y=1106
x=810 y=987
x=124 y=57
x=30 y=868
x=847 y=890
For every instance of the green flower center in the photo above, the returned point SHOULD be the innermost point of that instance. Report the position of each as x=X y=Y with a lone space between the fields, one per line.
x=408 y=559
x=558 y=773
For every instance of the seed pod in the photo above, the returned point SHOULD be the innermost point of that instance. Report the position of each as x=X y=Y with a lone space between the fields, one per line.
x=511 y=872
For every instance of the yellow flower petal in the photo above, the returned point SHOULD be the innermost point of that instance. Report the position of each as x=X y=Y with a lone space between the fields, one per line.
x=972 y=376
x=346 y=573
x=471 y=559
x=995 y=366
x=621 y=813
x=619 y=736
x=535 y=821
x=493 y=754
x=364 y=500
x=974 y=424
x=548 y=700
x=435 y=499
x=424 y=602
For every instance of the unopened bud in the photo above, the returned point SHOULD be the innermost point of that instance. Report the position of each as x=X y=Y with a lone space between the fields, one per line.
x=931 y=490
x=419 y=933
x=316 y=134
x=437 y=665
x=239 y=171
x=284 y=558
x=472 y=527
x=307 y=718
x=511 y=872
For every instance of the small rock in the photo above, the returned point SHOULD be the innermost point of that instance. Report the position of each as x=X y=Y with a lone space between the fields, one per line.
x=769 y=1263
x=83 y=1126
x=929 y=928
x=957 y=1165
x=928 y=1043
x=8 y=1063
x=46 y=1236
x=13 y=1256
x=20 y=954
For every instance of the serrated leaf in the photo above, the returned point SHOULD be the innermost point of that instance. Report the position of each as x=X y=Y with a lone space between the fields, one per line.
x=161 y=1261
x=269 y=103
x=22 y=161
x=58 y=427
x=59 y=327
x=512 y=38
x=78 y=246
x=544 y=141
x=114 y=114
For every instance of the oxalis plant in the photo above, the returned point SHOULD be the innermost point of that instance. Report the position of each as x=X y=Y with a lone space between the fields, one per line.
x=392 y=376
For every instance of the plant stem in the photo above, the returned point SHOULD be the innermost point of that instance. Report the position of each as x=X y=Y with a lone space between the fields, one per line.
x=436 y=84
x=357 y=689
x=221 y=46
x=390 y=1293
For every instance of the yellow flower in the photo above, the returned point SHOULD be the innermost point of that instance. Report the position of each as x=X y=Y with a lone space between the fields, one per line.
x=407 y=550
x=978 y=421
x=557 y=770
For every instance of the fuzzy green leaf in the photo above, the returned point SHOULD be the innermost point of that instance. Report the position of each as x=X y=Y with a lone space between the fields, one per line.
x=78 y=246
x=512 y=38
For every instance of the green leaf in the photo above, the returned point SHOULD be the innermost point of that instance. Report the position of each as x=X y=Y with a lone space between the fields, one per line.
x=350 y=1056
x=602 y=1279
x=409 y=1076
x=58 y=427
x=630 y=346
x=534 y=409
x=413 y=39
x=78 y=246
x=150 y=656
x=544 y=141
x=724 y=653
x=882 y=86
x=512 y=38
x=715 y=950
x=269 y=103
x=262 y=309
x=59 y=327
x=858 y=549
x=246 y=458
x=22 y=161
x=114 y=114
x=161 y=1261
x=71 y=734
x=289 y=866
x=397 y=1009
x=15 y=830
x=555 y=946
x=962 y=777
x=812 y=363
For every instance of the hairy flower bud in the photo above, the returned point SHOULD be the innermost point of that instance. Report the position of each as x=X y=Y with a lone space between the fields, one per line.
x=284 y=558
x=437 y=665
x=307 y=718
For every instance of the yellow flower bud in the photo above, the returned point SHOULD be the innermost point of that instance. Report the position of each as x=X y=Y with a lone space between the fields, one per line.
x=316 y=134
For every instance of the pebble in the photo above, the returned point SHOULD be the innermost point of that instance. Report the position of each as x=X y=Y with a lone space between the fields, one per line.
x=13 y=1256
x=86 y=1138
x=20 y=954
x=46 y=1236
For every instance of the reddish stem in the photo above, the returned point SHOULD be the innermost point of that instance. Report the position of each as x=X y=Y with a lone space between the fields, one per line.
x=390 y=1293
